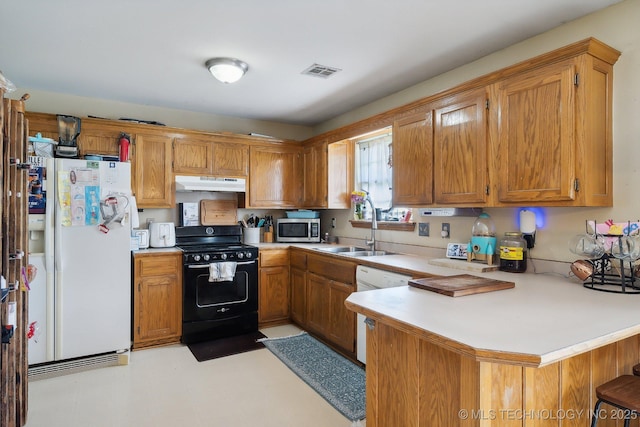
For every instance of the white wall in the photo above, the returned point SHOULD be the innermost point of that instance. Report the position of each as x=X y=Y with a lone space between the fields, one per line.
x=57 y=103
x=616 y=26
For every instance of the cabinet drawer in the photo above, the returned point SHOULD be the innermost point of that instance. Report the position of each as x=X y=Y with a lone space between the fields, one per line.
x=298 y=259
x=270 y=258
x=158 y=265
x=342 y=271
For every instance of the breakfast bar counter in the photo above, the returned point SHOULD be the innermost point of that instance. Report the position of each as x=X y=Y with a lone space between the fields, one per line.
x=530 y=355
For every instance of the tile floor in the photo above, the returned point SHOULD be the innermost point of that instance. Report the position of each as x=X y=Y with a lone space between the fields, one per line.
x=167 y=386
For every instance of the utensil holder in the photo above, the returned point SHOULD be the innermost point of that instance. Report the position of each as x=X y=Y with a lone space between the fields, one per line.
x=251 y=235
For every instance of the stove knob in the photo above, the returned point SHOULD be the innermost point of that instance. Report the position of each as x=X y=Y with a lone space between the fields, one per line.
x=248 y=254
x=223 y=256
x=196 y=257
x=205 y=257
x=240 y=255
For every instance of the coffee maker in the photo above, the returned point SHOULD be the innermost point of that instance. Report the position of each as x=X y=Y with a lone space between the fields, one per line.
x=68 y=132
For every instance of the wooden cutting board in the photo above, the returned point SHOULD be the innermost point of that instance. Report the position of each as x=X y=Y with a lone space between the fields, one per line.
x=219 y=212
x=460 y=285
x=461 y=264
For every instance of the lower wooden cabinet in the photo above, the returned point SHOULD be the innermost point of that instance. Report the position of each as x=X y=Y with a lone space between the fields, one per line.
x=157 y=299
x=298 y=280
x=329 y=283
x=273 y=296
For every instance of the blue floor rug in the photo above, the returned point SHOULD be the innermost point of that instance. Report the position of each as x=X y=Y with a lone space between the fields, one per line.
x=338 y=380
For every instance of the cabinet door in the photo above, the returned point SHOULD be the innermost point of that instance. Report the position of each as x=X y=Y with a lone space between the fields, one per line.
x=298 y=296
x=276 y=177
x=340 y=174
x=157 y=317
x=152 y=178
x=231 y=159
x=536 y=135
x=315 y=175
x=157 y=304
x=412 y=160
x=99 y=139
x=460 y=166
x=342 y=322
x=192 y=156
x=274 y=294
x=317 y=303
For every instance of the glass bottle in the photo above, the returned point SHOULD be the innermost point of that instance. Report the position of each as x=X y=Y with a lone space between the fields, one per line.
x=513 y=252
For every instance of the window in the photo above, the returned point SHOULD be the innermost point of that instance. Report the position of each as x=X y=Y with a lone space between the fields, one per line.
x=374 y=173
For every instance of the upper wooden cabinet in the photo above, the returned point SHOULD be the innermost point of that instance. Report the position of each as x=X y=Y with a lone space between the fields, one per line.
x=231 y=159
x=553 y=138
x=99 y=139
x=413 y=160
x=536 y=136
x=328 y=175
x=204 y=156
x=543 y=139
x=339 y=174
x=315 y=175
x=152 y=180
x=460 y=167
x=192 y=156
x=276 y=177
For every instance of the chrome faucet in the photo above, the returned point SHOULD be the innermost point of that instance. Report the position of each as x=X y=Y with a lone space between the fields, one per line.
x=374 y=223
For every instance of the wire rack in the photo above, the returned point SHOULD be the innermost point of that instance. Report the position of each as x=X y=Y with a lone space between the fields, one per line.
x=610 y=273
x=613 y=275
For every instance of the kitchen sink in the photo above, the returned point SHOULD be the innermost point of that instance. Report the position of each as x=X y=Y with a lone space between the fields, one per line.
x=343 y=249
x=367 y=253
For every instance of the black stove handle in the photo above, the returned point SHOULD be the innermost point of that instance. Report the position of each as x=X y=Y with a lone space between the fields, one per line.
x=207 y=265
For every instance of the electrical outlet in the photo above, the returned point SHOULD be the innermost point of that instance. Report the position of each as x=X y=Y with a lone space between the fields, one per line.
x=423 y=229
x=446 y=230
x=333 y=223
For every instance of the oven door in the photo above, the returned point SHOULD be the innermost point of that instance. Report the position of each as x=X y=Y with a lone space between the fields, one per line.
x=205 y=300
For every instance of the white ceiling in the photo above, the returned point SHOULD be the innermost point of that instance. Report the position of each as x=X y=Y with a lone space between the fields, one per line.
x=152 y=52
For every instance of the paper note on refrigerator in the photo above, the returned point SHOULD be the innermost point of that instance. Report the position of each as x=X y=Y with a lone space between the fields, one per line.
x=64 y=198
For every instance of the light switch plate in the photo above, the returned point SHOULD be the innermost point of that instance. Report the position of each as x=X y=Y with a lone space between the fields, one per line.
x=423 y=229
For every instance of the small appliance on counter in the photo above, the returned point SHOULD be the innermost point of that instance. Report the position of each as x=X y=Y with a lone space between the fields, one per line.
x=483 y=240
x=143 y=238
x=302 y=230
x=162 y=234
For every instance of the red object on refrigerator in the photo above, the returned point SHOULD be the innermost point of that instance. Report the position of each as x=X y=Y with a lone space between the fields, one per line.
x=124 y=142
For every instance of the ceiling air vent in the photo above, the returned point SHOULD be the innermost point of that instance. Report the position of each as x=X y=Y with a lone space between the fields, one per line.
x=322 y=71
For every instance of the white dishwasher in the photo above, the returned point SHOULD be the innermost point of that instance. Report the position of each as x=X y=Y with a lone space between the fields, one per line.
x=367 y=279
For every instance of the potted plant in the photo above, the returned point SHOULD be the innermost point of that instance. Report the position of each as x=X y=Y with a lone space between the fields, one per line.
x=357 y=198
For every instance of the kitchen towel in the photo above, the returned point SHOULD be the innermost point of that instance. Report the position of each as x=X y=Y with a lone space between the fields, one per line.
x=222 y=271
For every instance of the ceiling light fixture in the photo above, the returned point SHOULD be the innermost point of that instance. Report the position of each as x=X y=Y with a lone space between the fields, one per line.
x=227 y=70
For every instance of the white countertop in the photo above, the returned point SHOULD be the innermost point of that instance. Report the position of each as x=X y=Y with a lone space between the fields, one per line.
x=543 y=319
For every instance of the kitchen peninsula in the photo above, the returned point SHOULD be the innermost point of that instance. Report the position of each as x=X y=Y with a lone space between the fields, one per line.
x=531 y=355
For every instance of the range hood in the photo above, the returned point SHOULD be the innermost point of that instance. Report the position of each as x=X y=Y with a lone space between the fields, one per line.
x=210 y=183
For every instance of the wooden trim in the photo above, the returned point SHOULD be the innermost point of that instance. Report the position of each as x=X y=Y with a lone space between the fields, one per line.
x=385 y=225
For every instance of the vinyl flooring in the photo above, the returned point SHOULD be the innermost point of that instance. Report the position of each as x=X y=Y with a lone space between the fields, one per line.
x=168 y=387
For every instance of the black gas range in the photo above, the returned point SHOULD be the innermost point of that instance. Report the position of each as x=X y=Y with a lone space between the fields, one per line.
x=220 y=282
x=203 y=244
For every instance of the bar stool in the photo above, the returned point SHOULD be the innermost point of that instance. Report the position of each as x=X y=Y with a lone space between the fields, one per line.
x=623 y=393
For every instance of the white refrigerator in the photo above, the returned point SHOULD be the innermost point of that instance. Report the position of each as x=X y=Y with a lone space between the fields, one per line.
x=80 y=301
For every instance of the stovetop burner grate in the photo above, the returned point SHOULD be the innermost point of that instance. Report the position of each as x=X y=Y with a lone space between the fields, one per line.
x=212 y=248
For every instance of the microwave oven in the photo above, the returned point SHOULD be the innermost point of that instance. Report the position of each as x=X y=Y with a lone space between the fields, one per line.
x=301 y=230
